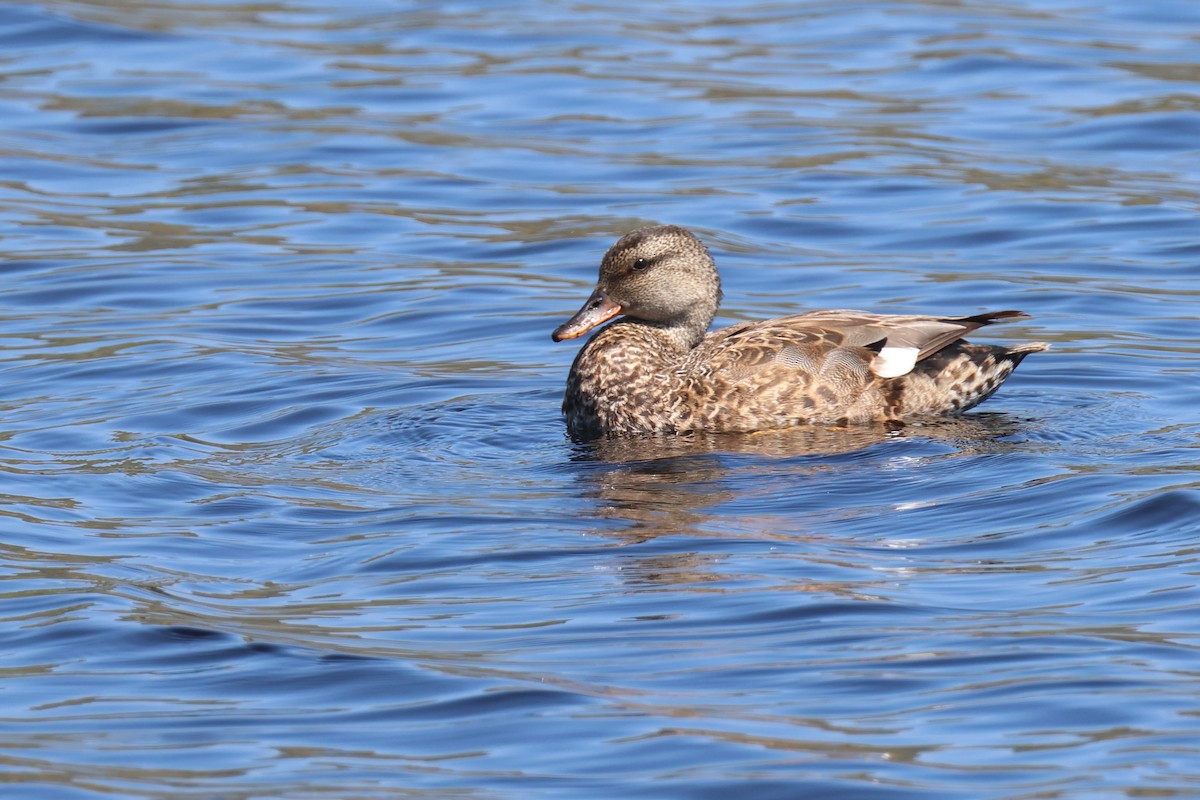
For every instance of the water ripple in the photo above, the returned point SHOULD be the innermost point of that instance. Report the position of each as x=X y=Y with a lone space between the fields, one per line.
x=286 y=494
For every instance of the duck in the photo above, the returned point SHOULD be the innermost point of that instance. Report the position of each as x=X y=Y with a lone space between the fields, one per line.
x=653 y=367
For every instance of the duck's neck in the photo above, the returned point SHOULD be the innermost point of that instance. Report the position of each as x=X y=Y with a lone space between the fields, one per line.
x=686 y=331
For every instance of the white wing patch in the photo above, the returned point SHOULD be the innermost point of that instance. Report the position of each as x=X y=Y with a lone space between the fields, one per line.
x=892 y=362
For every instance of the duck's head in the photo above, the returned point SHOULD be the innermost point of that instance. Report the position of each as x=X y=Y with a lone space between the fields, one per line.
x=661 y=275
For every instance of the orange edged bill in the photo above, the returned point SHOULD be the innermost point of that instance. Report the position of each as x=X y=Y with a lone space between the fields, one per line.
x=598 y=309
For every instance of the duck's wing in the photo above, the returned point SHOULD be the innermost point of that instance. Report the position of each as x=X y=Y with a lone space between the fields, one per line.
x=846 y=346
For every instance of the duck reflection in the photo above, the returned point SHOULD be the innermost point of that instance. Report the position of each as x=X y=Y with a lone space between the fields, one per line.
x=768 y=489
x=670 y=484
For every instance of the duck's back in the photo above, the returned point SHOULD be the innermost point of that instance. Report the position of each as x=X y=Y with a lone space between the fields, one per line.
x=834 y=367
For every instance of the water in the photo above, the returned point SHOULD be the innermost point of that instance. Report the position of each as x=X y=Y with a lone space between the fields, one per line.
x=288 y=506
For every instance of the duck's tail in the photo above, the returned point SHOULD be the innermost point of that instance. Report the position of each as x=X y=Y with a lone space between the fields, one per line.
x=1017 y=353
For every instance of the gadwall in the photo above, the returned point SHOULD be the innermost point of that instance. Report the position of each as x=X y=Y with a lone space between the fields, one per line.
x=657 y=369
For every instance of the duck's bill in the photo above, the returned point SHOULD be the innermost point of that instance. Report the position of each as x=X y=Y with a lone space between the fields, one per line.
x=597 y=310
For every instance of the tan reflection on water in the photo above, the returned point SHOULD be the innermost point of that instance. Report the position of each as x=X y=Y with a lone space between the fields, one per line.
x=667 y=485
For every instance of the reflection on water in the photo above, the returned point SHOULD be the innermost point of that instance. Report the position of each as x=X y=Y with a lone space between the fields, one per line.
x=973 y=433
x=673 y=485
x=288 y=506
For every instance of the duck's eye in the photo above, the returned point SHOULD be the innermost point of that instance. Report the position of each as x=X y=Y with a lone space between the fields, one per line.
x=640 y=264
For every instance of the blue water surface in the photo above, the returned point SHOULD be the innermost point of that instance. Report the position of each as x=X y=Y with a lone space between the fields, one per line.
x=289 y=509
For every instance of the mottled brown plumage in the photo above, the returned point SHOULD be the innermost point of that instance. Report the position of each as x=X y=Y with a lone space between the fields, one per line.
x=657 y=370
